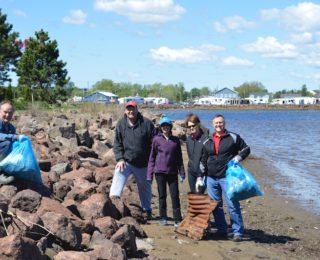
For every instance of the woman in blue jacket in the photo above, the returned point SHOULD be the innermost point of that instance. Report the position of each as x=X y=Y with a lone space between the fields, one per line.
x=165 y=162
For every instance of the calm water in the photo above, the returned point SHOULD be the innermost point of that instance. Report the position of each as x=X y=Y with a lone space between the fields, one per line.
x=288 y=140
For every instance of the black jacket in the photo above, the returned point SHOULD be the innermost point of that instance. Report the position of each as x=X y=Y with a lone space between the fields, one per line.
x=231 y=144
x=133 y=144
x=195 y=150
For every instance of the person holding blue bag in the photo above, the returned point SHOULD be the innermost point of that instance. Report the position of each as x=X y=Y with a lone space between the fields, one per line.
x=224 y=147
x=7 y=136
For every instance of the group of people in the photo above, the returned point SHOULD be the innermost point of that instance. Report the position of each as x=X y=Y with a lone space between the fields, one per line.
x=148 y=152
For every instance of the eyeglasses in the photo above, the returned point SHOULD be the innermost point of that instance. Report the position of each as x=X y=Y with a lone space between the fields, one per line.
x=192 y=126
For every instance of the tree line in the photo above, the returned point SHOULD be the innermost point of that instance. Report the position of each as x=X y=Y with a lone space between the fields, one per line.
x=43 y=76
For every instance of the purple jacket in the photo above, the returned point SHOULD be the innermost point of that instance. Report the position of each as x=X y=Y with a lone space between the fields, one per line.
x=165 y=157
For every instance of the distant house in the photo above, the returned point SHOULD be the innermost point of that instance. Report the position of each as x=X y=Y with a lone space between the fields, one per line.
x=76 y=99
x=211 y=100
x=296 y=101
x=101 y=97
x=137 y=99
x=258 y=98
x=231 y=96
x=227 y=93
x=156 y=100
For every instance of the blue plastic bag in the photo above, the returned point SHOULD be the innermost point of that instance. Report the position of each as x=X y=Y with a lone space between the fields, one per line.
x=21 y=162
x=240 y=183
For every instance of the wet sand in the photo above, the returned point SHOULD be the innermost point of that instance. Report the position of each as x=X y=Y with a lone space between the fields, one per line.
x=276 y=227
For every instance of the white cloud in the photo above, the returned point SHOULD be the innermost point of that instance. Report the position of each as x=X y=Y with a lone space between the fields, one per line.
x=143 y=11
x=19 y=13
x=231 y=60
x=271 y=47
x=75 y=17
x=233 y=23
x=185 y=55
x=303 y=17
x=305 y=37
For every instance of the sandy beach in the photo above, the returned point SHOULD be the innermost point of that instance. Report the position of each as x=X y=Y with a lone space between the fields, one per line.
x=276 y=227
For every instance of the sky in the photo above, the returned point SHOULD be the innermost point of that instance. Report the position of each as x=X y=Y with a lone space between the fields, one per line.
x=199 y=43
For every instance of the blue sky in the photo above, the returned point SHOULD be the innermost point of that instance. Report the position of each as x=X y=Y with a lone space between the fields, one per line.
x=199 y=43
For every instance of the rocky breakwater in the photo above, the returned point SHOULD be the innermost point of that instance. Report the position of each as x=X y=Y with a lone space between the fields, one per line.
x=71 y=215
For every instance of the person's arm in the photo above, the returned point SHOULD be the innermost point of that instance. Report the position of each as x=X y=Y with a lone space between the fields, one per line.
x=9 y=137
x=180 y=161
x=244 y=149
x=203 y=168
x=152 y=160
x=118 y=146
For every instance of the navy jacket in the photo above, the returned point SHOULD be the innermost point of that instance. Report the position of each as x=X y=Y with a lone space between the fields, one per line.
x=165 y=156
x=231 y=144
x=133 y=144
x=196 y=150
x=7 y=132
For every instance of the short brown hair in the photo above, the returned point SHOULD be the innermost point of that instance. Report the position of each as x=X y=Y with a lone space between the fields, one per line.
x=192 y=118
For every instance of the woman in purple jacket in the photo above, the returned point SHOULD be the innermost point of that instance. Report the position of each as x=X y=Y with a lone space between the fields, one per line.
x=165 y=162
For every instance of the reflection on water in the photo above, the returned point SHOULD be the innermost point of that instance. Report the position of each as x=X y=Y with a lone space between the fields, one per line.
x=289 y=140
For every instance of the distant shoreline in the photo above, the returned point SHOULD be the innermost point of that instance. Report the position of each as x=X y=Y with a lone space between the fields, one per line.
x=233 y=107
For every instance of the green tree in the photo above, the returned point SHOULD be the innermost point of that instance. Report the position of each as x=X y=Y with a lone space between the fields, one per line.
x=195 y=92
x=39 y=68
x=247 y=88
x=9 y=49
x=204 y=91
x=105 y=85
x=9 y=93
x=304 y=91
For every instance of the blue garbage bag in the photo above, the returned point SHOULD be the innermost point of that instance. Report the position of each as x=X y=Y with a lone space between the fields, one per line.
x=240 y=183
x=21 y=162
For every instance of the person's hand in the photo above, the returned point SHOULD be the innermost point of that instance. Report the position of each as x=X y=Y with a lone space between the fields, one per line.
x=237 y=159
x=181 y=179
x=22 y=138
x=199 y=183
x=120 y=165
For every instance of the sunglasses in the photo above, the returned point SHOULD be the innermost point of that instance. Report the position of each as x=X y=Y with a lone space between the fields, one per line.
x=165 y=124
x=192 y=126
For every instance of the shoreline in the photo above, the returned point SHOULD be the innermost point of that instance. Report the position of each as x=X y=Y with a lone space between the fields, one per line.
x=231 y=107
x=276 y=227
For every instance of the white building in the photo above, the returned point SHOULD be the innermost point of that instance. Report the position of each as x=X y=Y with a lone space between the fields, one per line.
x=295 y=101
x=258 y=98
x=156 y=100
x=137 y=99
x=211 y=100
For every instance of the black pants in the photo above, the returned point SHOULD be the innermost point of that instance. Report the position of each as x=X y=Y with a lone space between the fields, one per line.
x=192 y=182
x=172 y=180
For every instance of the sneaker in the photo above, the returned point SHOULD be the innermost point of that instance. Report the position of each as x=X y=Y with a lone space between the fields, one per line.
x=163 y=222
x=237 y=238
x=177 y=223
x=149 y=215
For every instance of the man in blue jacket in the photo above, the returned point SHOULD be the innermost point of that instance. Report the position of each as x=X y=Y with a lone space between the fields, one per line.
x=7 y=136
x=132 y=145
x=223 y=147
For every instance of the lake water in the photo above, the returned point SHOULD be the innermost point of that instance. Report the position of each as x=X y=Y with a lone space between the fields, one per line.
x=288 y=140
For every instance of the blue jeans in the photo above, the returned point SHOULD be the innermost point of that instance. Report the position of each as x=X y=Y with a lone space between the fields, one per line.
x=216 y=187
x=140 y=175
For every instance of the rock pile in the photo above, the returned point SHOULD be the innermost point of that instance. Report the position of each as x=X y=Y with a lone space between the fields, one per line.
x=71 y=215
